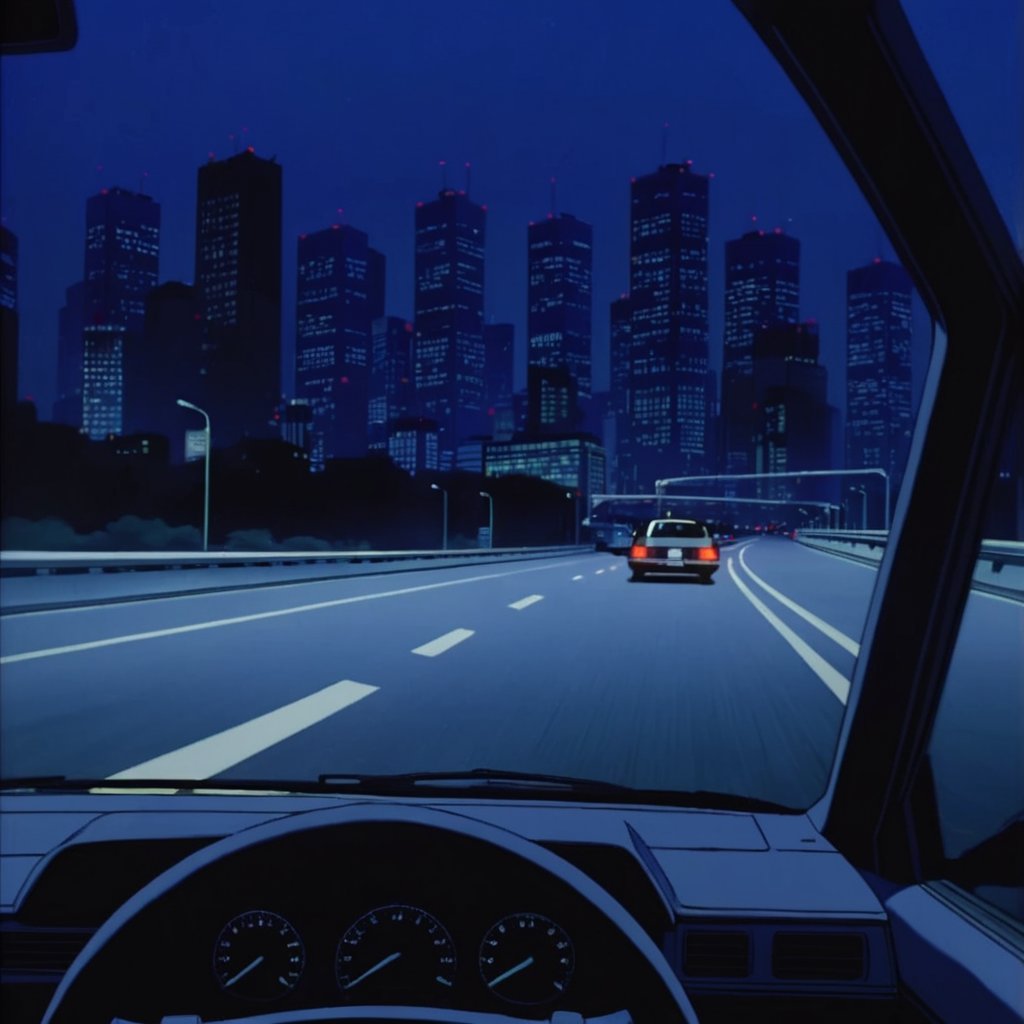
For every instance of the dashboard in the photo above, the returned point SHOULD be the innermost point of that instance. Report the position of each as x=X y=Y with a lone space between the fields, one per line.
x=370 y=914
x=230 y=906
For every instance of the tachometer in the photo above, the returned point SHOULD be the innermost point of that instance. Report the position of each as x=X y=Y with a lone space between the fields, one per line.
x=258 y=955
x=395 y=951
x=526 y=958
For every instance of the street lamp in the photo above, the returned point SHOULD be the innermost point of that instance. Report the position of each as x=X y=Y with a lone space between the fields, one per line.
x=575 y=512
x=444 y=512
x=863 y=506
x=206 y=471
x=490 y=518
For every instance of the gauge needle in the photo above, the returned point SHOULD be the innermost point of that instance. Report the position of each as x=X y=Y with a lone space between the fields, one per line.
x=373 y=970
x=244 y=971
x=512 y=970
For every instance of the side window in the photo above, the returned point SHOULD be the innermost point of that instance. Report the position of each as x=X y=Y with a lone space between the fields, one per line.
x=976 y=750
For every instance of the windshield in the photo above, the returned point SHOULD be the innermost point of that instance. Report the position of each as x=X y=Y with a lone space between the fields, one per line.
x=342 y=334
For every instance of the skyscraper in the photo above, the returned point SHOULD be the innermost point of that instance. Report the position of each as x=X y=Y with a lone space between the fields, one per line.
x=8 y=319
x=166 y=366
x=621 y=479
x=103 y=379
x=499 y=370
x=878 y=368
x=238 y=274
x=336 y=276
x=762 y=288
x=449 y=320
x=560 y=259
x=67 y=409
x=376 y=275
x=792 y=418
x=391 y=393
x=122 y=265
x=552 y=400
x=669 y=328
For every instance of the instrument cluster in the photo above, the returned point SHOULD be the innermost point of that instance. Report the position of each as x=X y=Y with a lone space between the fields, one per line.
x=401 y=954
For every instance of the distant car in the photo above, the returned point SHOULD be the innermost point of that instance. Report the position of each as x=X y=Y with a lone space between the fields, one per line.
x=613 y=537
x=678 y=546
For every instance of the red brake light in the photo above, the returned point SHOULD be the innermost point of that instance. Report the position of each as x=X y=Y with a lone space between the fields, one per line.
x=638 y=551
x=707 y=554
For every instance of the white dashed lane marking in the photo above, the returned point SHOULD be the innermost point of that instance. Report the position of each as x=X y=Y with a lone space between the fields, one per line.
x=154 y=634
x=218 y=753
x=443 y=643
x=525 y=602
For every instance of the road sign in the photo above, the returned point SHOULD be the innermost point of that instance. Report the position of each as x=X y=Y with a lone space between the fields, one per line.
x=195 y=445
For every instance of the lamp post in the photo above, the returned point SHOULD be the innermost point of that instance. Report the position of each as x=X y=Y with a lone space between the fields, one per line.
x=490 y=518
x=444 y=512
x=863 y=506
x=206 y=470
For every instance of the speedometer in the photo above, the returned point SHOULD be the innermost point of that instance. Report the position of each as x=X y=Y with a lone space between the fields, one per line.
x=395 y=952
x=258 y=955
x=526 y=958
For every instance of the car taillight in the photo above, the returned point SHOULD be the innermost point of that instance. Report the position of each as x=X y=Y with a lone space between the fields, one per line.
x=638 y=551
x=707 y=554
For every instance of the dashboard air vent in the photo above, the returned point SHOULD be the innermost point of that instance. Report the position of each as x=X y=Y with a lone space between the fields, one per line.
x=716 y=954
x=818 y=956
x=39 y=951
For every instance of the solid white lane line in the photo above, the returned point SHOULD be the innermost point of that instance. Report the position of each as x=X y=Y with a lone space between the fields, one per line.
x=525 y=602
x=577 y=577
x=835 y=681
x=831 y=632
x=443 y=643
x=216 y=754
x=154 y=634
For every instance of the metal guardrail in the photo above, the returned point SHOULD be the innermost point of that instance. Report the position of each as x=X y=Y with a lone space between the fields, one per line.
x=998 y=552
x=23 y=563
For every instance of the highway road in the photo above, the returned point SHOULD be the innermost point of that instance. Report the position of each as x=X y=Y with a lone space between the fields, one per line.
x=562 y=665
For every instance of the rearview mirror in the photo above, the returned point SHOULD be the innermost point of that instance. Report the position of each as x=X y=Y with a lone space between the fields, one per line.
x=37 y=26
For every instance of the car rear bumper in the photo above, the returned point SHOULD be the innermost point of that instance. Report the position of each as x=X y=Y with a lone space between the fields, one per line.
x=675 y=565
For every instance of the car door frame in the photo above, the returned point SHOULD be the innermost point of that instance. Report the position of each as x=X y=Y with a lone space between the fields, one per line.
x=861 y=70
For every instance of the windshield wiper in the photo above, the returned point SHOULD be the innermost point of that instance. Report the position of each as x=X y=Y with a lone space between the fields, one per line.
x=540 y=785
x=534 y=785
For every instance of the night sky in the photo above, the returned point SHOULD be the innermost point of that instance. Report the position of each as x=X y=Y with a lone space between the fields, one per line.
x=360 y=101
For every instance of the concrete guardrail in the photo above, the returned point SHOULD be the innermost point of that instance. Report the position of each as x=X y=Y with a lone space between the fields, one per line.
x=42 y=580
x=999 y=569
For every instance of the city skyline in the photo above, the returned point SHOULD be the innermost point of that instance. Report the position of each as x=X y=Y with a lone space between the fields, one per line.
x=590 y=139
x=342 y=276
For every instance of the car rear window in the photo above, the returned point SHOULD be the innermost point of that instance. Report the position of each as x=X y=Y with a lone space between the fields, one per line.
x=677 y=530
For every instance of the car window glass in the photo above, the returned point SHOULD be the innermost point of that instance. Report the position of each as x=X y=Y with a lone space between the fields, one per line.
x=976 y=752
x=691 y=530
x=981 y=74
x=463 y=289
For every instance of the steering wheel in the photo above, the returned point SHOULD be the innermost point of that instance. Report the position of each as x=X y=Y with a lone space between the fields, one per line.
x=91 y=978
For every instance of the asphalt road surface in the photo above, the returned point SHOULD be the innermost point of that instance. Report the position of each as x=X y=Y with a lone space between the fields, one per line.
x=562 y=666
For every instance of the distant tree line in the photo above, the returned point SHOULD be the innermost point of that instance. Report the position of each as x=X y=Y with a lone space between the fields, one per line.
x=63 y=491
